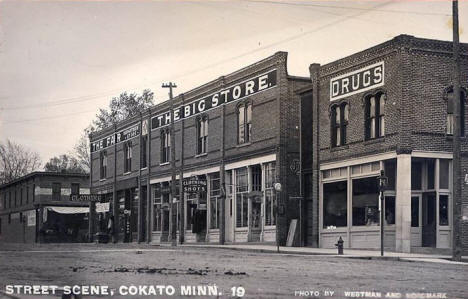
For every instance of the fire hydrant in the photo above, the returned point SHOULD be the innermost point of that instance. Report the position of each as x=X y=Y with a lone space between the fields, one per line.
x=339 y=244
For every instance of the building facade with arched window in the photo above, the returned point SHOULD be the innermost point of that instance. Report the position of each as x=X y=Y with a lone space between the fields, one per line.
x=234 y=138
x=389 y=107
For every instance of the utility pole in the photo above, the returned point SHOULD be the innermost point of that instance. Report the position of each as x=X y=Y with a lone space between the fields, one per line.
x=456 y=168
x=172 y=204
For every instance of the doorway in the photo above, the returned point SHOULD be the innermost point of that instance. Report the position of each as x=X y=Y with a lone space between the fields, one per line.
x=429 y=227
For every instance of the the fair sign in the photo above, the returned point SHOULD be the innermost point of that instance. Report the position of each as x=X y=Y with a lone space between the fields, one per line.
x=358 y=81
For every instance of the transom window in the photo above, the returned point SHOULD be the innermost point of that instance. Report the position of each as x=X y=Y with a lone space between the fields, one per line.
x=375 y=115
x=339 y=121
x=202 y=134
x=244 y=120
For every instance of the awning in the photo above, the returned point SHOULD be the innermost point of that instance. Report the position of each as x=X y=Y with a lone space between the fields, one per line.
x=69 y=210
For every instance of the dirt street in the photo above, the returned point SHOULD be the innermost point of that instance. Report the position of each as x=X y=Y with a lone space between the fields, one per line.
x=157 y=272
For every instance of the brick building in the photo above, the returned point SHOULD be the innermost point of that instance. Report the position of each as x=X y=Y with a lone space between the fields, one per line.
x=236 y=135
x=37 y=208
x=387 y=108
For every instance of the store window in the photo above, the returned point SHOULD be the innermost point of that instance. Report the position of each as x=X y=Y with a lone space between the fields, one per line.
x=375 y=115
x=191 y=208
x=443 y=210
x=128 y=157
x=270 y=196
x=165 y=145
x=390 y=173
x=450 y=113
x=416 y=175
x=56 y=191
x=143 y=150
x=415 y=211
x=389 y=210
x=103 y=164
x=75 y=189
x=366 y=202
x=244 y=122
x=157 y=209
x=202 y=134
x=339 y=121
x=215 y=204
x=241 y=197
x=444 y=174
x=335 y=204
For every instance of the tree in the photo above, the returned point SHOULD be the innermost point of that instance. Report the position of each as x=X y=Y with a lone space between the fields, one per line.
x=64 y=164
x=122 y=107
x=16 y=161
x=81 y=151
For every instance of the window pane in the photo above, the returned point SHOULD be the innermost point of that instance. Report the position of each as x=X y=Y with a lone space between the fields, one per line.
x=372 y=128
x=337 y=115
x=443 y=210
x=443 y=174
x=338 y=136
x=390 y=209
x=241 y=180
x=450 y=120
x=390 y=172
x=416 y=175
x=372 y=107
x=382 y=104
x=249 y=113
x=335 y=204
x=239 y=210
x=382 y=126
x=241 y=119
x=366 y=201
x=346 y=113
x=415 y=211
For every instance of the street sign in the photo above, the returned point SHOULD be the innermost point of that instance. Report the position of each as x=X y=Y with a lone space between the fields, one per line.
x=85 y=197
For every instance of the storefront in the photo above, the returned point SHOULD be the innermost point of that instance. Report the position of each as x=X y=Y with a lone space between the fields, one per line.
x=350 y=207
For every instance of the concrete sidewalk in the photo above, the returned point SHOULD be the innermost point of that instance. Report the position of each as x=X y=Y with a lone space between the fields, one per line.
x=348 y=253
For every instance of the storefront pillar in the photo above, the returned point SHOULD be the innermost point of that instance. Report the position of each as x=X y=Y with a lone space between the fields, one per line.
x=403 y=203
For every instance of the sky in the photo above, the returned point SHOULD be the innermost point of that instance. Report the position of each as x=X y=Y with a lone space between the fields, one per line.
x=62 y=61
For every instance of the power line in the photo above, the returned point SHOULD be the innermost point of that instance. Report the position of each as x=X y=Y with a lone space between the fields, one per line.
x=47 y=118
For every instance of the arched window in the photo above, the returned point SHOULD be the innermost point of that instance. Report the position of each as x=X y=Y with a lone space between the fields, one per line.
x=339 y=121
x=451 y=110
x=202 y=134
x=244 y=121
x=375 y=115
x=165 y=146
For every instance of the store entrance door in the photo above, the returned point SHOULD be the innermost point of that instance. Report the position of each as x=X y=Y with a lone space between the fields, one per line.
x=429 y=220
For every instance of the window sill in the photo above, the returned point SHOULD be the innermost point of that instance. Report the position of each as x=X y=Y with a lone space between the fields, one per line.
x=201 y=155
x=165 y=163
x=375 y=140
x=339 y=148
x=127 y=173
x=244 y=144
x=102 y=180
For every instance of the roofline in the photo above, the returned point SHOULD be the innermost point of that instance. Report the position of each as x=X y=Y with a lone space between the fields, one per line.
x=178 y=98
x=43 y=173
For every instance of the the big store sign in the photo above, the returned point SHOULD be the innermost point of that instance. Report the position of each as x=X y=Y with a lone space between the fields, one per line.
x=358 y=81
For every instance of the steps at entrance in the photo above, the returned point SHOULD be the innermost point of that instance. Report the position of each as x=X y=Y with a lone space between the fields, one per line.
x=431 y=250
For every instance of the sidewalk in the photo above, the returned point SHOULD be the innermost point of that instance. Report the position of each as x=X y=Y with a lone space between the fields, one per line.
x=348 y=253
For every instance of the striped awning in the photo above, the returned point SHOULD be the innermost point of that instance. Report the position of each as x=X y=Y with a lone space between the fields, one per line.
x=69 y=210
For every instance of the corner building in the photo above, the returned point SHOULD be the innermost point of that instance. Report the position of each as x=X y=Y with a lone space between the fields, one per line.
x=389 y=108
x=234 y=136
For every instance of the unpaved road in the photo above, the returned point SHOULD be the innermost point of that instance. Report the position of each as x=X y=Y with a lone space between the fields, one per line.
x=262 y=275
